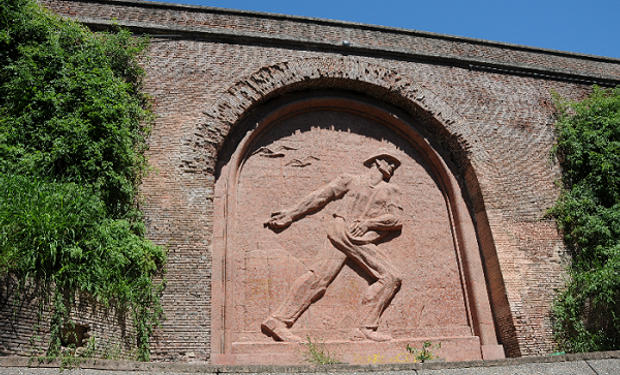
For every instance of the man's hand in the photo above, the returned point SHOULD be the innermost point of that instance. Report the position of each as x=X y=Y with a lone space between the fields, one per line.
x=358 y=228
x=279 y=219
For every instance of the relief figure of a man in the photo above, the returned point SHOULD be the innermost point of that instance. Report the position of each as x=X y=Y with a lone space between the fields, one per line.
x=369 y=208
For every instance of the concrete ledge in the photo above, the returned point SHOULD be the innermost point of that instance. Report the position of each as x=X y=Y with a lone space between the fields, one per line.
x=105 y=364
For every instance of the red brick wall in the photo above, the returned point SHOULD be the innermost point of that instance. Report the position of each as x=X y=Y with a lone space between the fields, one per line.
x=489 y=104
x=23 y=333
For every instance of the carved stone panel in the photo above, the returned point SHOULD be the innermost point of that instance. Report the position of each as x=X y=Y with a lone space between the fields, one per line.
x=302 y=162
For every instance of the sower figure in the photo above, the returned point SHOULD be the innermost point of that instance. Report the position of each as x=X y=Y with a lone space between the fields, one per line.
x=369 y=209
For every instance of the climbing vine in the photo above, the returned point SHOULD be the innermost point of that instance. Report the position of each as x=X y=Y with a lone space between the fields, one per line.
x=73 y=127
x=587 y=311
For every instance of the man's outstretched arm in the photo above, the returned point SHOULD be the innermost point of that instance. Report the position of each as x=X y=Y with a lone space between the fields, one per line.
x=311 y=202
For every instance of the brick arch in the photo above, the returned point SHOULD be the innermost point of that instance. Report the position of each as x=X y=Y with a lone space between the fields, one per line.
x=453 y=132
x=339 y=73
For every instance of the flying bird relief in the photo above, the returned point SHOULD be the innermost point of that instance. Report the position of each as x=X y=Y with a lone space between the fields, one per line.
x=303 y=162
x=268 y=153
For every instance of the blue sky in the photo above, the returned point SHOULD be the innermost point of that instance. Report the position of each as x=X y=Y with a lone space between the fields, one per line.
x=584 y=26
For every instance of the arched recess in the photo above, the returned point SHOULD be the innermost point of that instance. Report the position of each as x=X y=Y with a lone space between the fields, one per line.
x=252 y=108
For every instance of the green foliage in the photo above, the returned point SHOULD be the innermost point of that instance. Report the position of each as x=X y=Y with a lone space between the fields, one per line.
x=424 y=354
x=316 y=353
x=73 y=123
x=69 y=104
x=587 y=312
x=71 y=357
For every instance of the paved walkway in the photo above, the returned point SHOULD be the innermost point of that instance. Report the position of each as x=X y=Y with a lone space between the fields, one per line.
x=575 y=364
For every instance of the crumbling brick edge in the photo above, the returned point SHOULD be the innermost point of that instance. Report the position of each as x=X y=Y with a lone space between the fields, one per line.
x=116 y=365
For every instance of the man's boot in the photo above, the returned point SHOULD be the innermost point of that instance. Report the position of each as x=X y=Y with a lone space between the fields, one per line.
x=279 y=330
x=365 y=333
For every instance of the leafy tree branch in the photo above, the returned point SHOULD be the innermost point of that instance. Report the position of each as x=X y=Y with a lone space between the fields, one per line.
x=73 y=128
x=587 y=312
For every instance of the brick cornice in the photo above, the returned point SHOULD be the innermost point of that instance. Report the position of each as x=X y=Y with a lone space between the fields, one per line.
x=555 y=70
x=349 y=25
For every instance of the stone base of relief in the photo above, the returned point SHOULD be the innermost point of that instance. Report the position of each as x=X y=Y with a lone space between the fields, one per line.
x=356 y=353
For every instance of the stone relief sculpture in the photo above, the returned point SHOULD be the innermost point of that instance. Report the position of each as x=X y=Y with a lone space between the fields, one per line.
x=368 y=210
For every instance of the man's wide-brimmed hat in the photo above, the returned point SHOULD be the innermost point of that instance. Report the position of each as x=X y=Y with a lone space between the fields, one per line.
x=383 y=154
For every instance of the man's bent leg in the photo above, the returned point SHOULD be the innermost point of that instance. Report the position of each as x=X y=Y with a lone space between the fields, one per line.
x=307 y=288
x=380 y=293
x=374 y=261
x=377 y=297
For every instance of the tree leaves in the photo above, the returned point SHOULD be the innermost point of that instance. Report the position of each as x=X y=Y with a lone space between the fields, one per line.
x=588 y=213
x=73 y=127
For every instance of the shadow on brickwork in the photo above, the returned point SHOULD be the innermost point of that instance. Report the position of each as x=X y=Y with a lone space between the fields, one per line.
x=25 y=331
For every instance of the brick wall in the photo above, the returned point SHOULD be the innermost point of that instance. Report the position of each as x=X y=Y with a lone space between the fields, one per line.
x=489 y=105
x=23 y=333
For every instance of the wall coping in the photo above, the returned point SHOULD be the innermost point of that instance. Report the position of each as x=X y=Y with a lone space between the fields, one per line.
x=117 y=365
x=349 y=24
x=170 y=30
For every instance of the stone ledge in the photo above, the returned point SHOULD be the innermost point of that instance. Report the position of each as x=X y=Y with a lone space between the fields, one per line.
x=480 y=63
x=349 y=25
x=360 y=353
x=106 y=364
